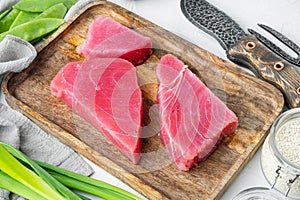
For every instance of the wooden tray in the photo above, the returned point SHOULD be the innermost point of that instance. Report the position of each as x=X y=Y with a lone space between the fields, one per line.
x=255 y=102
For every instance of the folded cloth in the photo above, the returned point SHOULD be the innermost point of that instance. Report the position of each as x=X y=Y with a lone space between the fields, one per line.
x=4 y=5
x=20 y=132
x=17 y=130
x=15 y=54
x=74 y=9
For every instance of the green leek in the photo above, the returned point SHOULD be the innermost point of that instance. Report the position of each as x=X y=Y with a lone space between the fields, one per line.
x=56 y=185
x=16 y=187
x=68 y=177
x=60 y=179
x=10 y=166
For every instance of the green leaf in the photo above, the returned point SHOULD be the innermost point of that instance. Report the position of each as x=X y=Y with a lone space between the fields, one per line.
x=23 y=17
x=7 y=21
x=51 y=181
x=8 y=183
x=56 y=11
x=86 y=184
x=4 y=13
x=74 y=180
x=12 y=167
x=40 y=6
x=81 y=186
x=34 y=29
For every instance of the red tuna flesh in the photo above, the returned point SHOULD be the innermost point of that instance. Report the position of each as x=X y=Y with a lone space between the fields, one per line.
x=107 y=38
x=105 y=92
x=193 y=120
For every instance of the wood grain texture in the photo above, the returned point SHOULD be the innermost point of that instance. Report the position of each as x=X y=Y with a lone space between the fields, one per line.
x=268 y=66
x=255 y=102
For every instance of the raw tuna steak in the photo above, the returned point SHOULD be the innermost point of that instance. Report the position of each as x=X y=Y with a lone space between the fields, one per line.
x=105 y=92
x=107 y=38
x=193 y=120
x=62 y=84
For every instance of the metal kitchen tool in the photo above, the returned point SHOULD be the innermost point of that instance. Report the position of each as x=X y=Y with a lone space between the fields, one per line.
x=274 y=47
x=274 y=66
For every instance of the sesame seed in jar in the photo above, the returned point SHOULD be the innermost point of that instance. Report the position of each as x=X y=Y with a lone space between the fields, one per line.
x=280 y=161
x=288 y=141
x=280 y=158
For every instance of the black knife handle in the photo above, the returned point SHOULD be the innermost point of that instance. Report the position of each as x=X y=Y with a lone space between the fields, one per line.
x=250 y=53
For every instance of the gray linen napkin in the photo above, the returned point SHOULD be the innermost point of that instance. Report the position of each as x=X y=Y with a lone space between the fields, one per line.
x=6 y=4
x=17 y=130
x=74 y=9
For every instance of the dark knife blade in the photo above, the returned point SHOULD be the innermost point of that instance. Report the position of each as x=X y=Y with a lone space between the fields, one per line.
x=245 y=49
x=213 y=21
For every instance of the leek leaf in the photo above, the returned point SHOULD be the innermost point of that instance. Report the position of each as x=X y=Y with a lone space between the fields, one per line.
x=56 y=185
x=12 y=167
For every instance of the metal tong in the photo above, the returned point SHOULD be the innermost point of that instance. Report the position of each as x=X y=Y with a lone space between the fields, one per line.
x=275 y=48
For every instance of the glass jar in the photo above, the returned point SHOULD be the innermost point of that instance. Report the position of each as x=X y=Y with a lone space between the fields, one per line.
x=280 y=160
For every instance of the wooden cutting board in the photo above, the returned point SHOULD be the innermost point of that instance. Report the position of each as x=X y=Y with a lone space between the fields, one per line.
x=255 y=102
